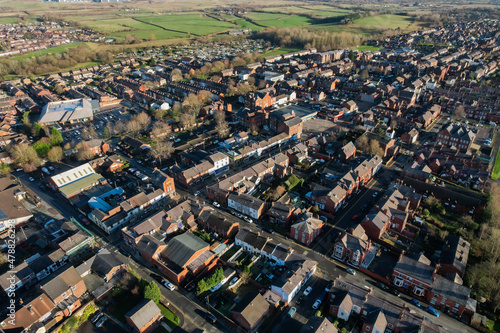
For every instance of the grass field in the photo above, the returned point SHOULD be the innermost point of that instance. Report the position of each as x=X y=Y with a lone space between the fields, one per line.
x=52 y=50
x=319 y=10
x=8 y=20
x=385 y=21
x=495 y=174
x=278 y=51
x=368 y=48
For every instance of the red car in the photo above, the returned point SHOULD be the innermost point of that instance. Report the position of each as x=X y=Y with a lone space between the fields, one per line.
x=355 y=217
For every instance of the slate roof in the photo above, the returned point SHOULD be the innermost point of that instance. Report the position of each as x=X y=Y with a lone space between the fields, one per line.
x=415 y=269
x=450 y=290
x=143 y=313
x=181 y=248
x=60 y=281
x=376 y=319
x=455 y=252
x=318 y=325
x=252 y=307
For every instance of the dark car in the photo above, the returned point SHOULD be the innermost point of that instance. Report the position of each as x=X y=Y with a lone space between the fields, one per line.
x=382 y=286
x=210 y=317
x=364 y=207
x=96 y=317
x=301 y=298
x=395 y=292
x=157 y=277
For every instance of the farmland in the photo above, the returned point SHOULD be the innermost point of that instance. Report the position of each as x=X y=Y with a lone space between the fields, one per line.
x=52 y=50
x=385 y=21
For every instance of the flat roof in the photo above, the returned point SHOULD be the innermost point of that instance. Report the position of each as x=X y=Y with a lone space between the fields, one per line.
x=298 y=110
x=82 y=183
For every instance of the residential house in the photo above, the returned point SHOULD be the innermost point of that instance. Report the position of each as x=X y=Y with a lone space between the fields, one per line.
x=215 y=222
x=375 y=322
x=412 y=275
x=454 y=256
x=341 y=306
x=351 y=247
x=347 y=151
x=250 y=241
x=456 y=136
x=104 y=264
x=33 y=312
x=144 y=317
x=318 y=325
x=306 y=228
x=298 y=270
x=451 y=297
x=281 y=213
x=247 y=204
x=65 y=289
x=250 y=311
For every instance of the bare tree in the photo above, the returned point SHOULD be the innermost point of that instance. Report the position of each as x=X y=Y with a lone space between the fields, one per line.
x=144 y=120
x=362 y=143
x=161 y=150
x=84 y=152
x=376 y=149
x=223 y=129
x=188 y=119
x=24 y=153
x=55 y=154
x=159 y=131
x=459 y=112
x=176 y=75
x=133 y=127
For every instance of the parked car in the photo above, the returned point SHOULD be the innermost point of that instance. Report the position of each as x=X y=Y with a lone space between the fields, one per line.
x=101 y=321
x=382 y=286
x=234 y=281
x=249 y=220
x=169 y=286
x=395 y=292
x=216 y=204
x=375 y=194
x=364 y=207
x=96 y=317
x=210 y=317
x=157 y=278
x=301 y=298
x=351 y=271
x=432 y=311
x=197 y=193
x=292 y=311
x=415 y=302
x=308 y=291
x=316 y=304
x=31 y=179
x=329 y=286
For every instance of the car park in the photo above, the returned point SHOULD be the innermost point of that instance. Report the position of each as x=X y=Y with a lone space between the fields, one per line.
x=308 y=291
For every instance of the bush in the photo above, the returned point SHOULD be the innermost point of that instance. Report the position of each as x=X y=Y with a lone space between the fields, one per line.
x=207 y=283
x=70 y=325
x=152 y=292
x=89 y=310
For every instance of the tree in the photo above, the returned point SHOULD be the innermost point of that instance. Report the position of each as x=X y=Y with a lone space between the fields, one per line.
x=152 y=62
x=55 y=137
x=159 y=131
x=187 y=120
x=105 y=133
x=364 y=74
x=55 y=154
x=376 y=149
x=152 y=292
x=4 y=169
x=362 y=143
x=84 y=152
x=92 y=133
x=351 y=55
x=223 y=129
x=38 y=129
x=176 y=75
x=133 y=127
x=42 y=147
x=144 y=120
x=162 y=149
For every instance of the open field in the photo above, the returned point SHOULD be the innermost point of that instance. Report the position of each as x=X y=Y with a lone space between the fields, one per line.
x=496 y=168
x=279 y=51
x=196 y=23
x=385 y=21
x=368 y=48
x=318 y=10
x=52 y=50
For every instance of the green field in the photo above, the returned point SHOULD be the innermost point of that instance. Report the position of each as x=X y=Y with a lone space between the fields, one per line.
x=8 y=20
x=385 y=21
x=195 y=23
x=319 y=10
x=495 y=174
x=281 y=50
x=368 y=48
x=52 y=50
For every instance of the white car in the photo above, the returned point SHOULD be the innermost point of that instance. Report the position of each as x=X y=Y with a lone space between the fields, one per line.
x=197 y=193
x=169 y=286
x=216 y=204
x=308 y=291
x=351 y=271
x=31 y=179
x=316 y=304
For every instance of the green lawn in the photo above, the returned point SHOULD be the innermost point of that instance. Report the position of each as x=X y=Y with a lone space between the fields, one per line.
x=496 y=168
x=171 y=319
x=8 y=20
x=193 y=23
x=52 y=50
x=385 y=21
x=287 y=22
x=368 y=48
x=264 y=16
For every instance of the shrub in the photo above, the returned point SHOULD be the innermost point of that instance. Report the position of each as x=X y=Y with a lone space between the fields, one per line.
x=89 y=310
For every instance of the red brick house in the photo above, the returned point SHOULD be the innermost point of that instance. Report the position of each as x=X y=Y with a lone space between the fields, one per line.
x=291 y=127
x=250 y=311
x=306 y=228
x=31 y=312
x=65 y=289
x=281 y=213
x=375 y=322
x=261 y=99
x=327 y=199
x=351 y=247
x=347 y=151
x=451 y=297
x=216 y=223
x=144 y=317
x=454 y=256
x=457 y=136
x=412 y=275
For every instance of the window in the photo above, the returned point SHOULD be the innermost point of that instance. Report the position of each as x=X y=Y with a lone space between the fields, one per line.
x=367 y=327
x=418 y=291
x=64 y=294
x=398 y=282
